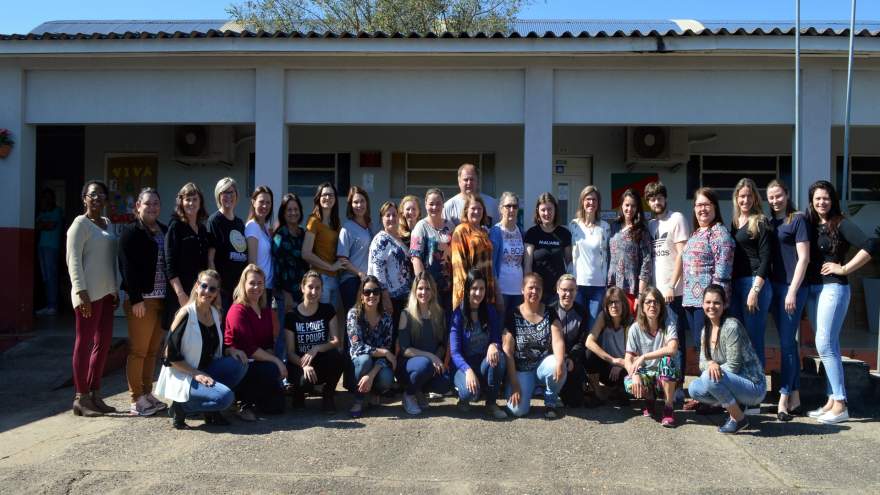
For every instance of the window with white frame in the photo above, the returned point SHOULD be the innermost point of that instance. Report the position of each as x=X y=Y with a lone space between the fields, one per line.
x=722 y=172
x=306 y=170
x=864 y=178
x=416 y=172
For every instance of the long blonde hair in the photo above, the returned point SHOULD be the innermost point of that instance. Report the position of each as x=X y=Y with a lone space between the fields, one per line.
x=756 y=212
x=194 y=293
x=239 y=295
x=403 y=229
x=438 y=318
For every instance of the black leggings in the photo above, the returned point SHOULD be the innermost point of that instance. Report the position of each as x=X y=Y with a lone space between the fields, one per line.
x=328 y=368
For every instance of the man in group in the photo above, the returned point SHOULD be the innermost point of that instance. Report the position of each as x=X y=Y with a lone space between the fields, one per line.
x=669 y=233
x=468 y=183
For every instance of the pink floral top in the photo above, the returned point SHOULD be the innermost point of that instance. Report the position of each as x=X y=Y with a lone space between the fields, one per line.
x=707 y=259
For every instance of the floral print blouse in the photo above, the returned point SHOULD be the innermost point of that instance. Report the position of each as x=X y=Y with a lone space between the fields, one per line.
x=365 y=339
x=707 y=259
x=631 y=260
x=289 y=266
x=389 y=262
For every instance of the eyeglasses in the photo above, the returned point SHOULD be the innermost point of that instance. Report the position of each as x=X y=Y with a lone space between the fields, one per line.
x=511 y=207
x=372 y=292
x=327 y=195
x=614 y=302
x=650 y=302
x=228 y=192
x=703 y=206
x=210 y=288
x=96 y=195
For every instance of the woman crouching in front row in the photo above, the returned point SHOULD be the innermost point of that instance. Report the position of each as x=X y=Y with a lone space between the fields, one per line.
x=731 y=372
x=196 y=376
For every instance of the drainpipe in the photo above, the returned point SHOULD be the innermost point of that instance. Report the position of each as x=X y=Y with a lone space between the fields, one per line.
x=796 y=163
x=844 y=186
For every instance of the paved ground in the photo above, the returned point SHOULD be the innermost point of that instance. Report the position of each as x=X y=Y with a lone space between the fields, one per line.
x=45 y=449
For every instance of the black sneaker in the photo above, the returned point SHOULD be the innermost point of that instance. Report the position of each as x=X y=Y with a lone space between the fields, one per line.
x=328 y=404
x=552 y=413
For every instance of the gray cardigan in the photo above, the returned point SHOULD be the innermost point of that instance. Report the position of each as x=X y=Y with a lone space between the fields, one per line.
x=733 y=351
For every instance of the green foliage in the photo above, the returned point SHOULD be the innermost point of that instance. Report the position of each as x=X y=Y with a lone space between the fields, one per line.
x=388 y=16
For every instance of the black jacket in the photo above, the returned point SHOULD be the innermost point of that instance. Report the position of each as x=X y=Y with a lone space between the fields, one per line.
x=138 y=253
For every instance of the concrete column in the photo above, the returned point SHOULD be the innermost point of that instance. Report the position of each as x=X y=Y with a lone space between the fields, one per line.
x=816 y=120
x=272 y=136
x=538 y=138
x=17 y=215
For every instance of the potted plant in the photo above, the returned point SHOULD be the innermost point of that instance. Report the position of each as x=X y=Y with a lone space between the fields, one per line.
x=6 y=143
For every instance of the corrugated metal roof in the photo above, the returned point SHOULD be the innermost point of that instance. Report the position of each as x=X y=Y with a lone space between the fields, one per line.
x=549 y=28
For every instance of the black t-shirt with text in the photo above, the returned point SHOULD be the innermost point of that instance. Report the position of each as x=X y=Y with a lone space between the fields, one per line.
x=309 y=331
x=230 y=256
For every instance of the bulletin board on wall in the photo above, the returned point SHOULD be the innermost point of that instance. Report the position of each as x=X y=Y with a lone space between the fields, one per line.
x=127 y=174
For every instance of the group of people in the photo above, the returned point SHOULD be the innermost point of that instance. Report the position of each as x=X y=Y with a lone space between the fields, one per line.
x=459 y=300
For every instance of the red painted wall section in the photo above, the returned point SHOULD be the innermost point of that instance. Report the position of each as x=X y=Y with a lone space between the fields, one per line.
x=17 y=272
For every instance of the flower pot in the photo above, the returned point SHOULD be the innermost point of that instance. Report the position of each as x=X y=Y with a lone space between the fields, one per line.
x=5 y=150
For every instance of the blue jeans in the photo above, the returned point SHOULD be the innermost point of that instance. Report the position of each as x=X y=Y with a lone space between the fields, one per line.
x=363 y=363
x=527 y=381
x=331 y=289
x=590 y=297
x=348 y=290
x=49 y=268
x=696 y=318
x=226 y=372
x=788 y=325
x=490 y=379
x=420 y=375
x=755 y=323
x=681 y=328
x=729 y=390
x=826 y=308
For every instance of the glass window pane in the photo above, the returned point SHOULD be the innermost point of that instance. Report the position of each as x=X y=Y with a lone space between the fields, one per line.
x=745 y=163
x=312 y=160
x=431 y=178
x=440 y=161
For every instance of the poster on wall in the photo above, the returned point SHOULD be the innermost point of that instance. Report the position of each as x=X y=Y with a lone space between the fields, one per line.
x=127 y=174
x=621 y=182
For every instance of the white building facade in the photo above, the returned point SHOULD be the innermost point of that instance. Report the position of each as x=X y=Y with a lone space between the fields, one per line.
x=546 y=107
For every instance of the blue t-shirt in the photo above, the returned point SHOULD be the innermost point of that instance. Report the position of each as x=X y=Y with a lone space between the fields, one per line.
x=51 y=238
x=783 y=240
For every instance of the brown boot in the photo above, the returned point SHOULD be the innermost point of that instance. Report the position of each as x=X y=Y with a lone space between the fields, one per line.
x=83 y=406
x=99 y=403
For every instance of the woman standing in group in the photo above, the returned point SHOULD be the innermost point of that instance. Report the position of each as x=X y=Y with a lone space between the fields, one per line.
x=651 y=348
x=831 y=236
x=249 y=329
x=196 y=377
x=91 y=263
x=186 y=248
x=389 y=262
x=707 y=257
x=142 y=264
x=410 y=213
x=353 y=249
x=227 y=252
x=508 y=251
x=319 y=245
x=370 y=330
x=731 y=372
x=548 y=246
x=472 y=249
x=258 y=234
x=752 y=293
x=430 y=247
x=475 y=347
x=288 y=263
x=607 y=342
x=631 y=264
x=589 y=237
x=535 y=351
x=790 y=255
x=313 y=341
x=422 y=345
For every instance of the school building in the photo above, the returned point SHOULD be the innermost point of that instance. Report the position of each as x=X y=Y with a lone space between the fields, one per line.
x=545 y=106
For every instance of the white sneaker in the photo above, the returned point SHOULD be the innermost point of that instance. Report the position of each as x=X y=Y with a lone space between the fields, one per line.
x=815 y=413
x=410 y=405
x=142 y=407
x=829 y=418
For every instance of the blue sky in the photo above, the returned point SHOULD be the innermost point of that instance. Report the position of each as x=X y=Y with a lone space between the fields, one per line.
x=22 y=16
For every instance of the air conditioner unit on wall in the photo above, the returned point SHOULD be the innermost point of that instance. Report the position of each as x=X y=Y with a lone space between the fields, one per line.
x=655 y=145
x=204 y=145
